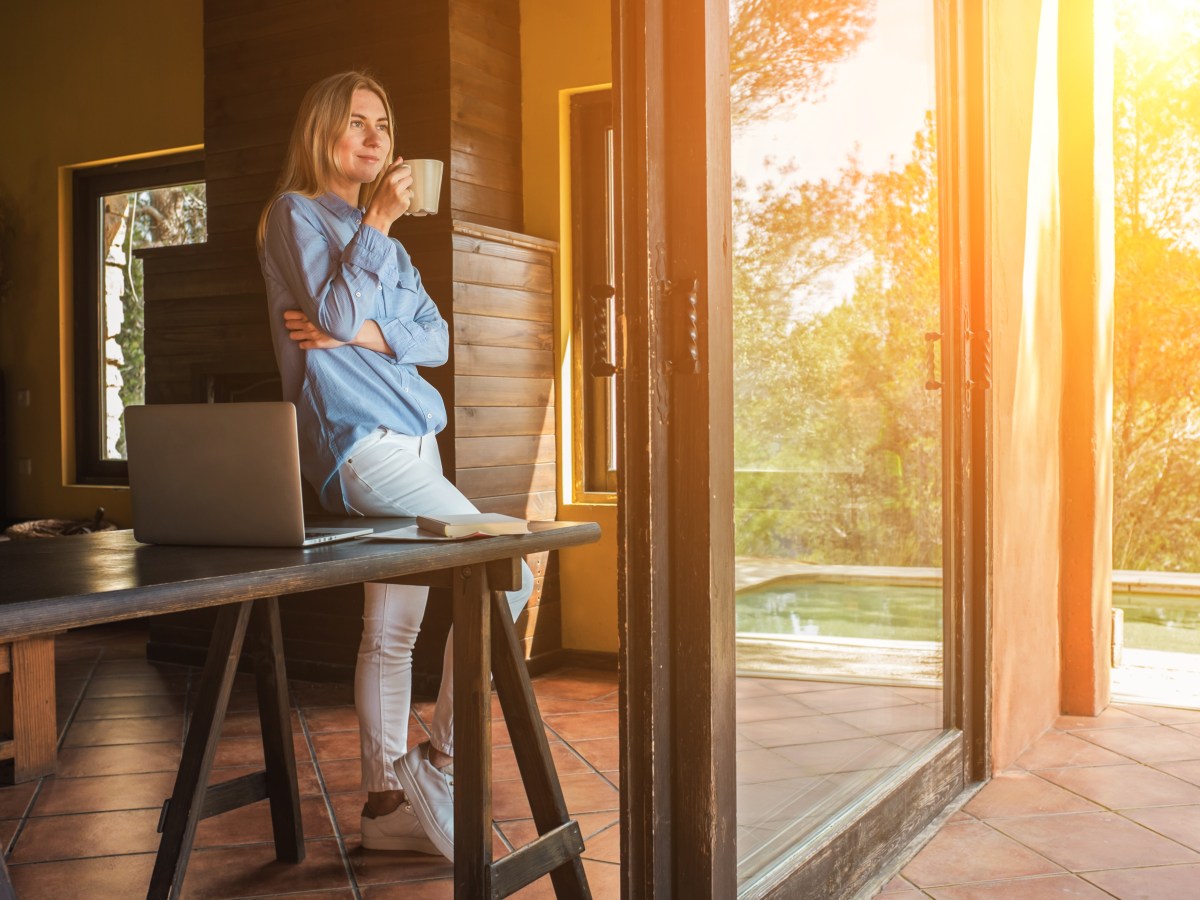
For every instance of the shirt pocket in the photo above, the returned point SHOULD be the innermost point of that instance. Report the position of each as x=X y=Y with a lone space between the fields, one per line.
x=402 y=300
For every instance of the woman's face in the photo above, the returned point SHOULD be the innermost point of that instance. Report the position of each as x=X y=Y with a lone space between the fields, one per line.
x=364 y=148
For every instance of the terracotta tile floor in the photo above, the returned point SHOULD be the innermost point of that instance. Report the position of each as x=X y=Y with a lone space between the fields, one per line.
x=90 y=830
x=1105 y=807
x=1097 y=807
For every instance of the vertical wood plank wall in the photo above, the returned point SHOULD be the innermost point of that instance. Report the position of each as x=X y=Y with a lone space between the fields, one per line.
x=452 y=68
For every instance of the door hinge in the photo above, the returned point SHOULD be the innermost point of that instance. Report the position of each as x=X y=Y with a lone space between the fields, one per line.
x=684 y=315
x=979 y=345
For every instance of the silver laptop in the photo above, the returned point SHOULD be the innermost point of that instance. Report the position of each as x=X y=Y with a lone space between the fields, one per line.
x=219 y=474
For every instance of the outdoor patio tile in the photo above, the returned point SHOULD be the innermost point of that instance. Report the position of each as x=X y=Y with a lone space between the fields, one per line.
x=1154 y=744
x=844 y=756
x=1188 y=770
x=806 y=730
x=1047 y=887
x=897 y=885
x=916 y=740
x=1180 y=823
x=755 y=766
x=1156 y=883
x=252 y=870
x=1055 y=750
x=1163 y=715
x=930 y=696
x=1124 y=787
x=102 y=876
x=747 y=688
x=972 y=851
x=894 y=719
x=772 y=706
x=782 y=801
x=796 y=685
x=1085 y=841
x=1022 y=793
x=859 y=697
x=1110 y=718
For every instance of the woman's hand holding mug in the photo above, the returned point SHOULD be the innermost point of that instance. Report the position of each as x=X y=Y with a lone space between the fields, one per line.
x=392 y=197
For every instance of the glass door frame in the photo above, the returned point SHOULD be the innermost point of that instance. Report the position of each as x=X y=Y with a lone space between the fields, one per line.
x=675 y=509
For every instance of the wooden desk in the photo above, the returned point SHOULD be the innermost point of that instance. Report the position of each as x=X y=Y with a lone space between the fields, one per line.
x=51 y=585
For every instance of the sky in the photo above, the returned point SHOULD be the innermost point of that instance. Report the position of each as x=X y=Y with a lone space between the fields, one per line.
x=876 y=99
x=875 y=104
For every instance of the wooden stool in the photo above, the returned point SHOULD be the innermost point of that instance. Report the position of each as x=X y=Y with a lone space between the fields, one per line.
x=27 y=711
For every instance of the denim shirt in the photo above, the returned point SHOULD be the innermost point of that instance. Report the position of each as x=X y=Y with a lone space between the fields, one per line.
x=319 y=257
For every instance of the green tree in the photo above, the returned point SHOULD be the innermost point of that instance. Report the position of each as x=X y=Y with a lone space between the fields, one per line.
x=837 y=440
x=1156 y=427
x=781 y=51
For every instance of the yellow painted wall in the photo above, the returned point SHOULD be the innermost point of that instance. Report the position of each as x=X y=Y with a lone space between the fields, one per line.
x=565 y=47
x=80 y=81
x=1027 y=368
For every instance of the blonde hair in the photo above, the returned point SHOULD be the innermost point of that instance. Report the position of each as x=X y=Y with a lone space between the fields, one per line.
x=310 y=161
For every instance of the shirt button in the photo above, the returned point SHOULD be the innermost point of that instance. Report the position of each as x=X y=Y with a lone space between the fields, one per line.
x=429 y=415
x=406 y=390
x=358 y=293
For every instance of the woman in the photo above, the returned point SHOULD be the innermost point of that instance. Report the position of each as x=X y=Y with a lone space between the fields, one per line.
x=350 y=323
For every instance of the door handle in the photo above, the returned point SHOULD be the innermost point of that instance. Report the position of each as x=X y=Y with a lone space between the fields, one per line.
x=931 y=382
x=601 y=366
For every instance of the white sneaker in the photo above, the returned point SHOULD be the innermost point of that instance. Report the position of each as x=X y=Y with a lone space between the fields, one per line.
x=398 y=830
x=430 y=790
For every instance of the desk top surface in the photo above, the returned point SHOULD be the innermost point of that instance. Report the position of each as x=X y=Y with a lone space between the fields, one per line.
x=57 y=583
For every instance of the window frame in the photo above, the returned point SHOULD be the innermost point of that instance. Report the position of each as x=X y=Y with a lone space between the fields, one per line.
x=88 y=185
x=593 y=250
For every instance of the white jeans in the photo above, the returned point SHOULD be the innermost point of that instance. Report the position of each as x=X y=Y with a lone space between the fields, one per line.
x=391 y=474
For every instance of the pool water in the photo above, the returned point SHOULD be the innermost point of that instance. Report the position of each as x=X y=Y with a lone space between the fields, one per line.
x=804 y=607
x=837 y=609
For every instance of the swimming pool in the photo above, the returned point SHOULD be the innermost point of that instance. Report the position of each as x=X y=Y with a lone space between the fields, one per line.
x=808 y=607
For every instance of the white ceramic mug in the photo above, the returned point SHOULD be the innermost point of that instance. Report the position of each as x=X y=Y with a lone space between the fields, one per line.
x=426 y=186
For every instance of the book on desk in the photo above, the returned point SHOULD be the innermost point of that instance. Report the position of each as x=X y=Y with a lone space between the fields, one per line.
x=456 y=527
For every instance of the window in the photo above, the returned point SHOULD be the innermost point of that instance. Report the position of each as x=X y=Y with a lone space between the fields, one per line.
x=120 y=209
x=594 y=273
